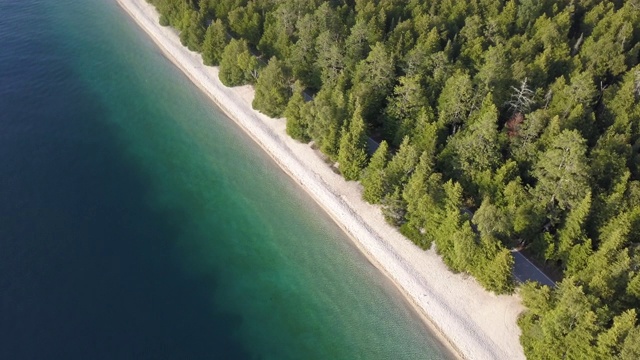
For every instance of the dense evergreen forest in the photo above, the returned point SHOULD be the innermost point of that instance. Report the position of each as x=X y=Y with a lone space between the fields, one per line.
x=501 y=124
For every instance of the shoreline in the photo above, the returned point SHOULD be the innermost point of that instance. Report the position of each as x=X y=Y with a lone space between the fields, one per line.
x=473 y=323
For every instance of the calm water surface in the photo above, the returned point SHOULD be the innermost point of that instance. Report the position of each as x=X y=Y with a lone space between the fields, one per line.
x=136 y=222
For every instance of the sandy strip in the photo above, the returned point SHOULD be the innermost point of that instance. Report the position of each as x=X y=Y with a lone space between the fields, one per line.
x=477 y=324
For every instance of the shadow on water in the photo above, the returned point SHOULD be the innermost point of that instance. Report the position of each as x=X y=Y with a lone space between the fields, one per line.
x=86 y=264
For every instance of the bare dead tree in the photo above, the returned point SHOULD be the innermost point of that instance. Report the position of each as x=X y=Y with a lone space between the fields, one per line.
x=578 y=44
x=521 y=98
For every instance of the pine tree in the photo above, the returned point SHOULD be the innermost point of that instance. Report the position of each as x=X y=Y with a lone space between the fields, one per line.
x=450 y=221
x=404 y=106
x=373 y=80
x=303 y=53
x=612 y=341
x=295 y=114
x=215 y=41
x=246 y=22
x=478 y=147
x=373 y=177
x=421 y=195
x=401 y=166
x=272 y=90
x=455 y=101
x=497 y=274
x=631 y=346
x=352 y=155
x=237 y=65
x=329 y=114
x=572 y=232
x=491 y=220
x=192 y=35
x=562 y=171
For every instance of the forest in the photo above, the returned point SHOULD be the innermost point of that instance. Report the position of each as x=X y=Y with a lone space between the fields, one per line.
x=500 y=124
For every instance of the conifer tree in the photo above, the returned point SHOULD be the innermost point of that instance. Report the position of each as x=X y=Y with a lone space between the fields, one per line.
x=573 y=231
x=612 y=342
x=329 y=114
x=497 y=274
x=352 y=155
x=295 y=114
x=215 y=41
x=401 y=166
x=455 y=101
x=373 y=178
x=373 y=80
x=450 y=221
x=421 y=195
x=404 y=105
x=237 y=65
x=246 y=22
x=272 y=90
x=562 y=171
x=193 y=32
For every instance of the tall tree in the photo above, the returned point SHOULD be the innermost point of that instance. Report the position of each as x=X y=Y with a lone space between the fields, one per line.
x=422 y=195
x=193 y=31
x=272 y=89
x=352 y=155
x=295 y=111
x=329 y=112
x=477 y=148
x=215 y=41
x=404 y=106
x=237 y=65
x=455 y=101
x=562 y=171
x=373 y=177
x=246 y=22
x=373 y=80
x=303 y=53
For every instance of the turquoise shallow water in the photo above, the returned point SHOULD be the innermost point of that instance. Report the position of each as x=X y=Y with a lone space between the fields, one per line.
x=137 y=222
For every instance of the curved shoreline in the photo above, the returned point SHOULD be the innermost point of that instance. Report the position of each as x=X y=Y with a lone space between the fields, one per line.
x=475 y=323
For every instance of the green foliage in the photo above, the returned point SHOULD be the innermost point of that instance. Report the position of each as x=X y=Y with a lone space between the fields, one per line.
x=611 y=343
x=295 y=114
x=497 y=273
x=477 y=148
x=405 y=104
x=422 y=195
x=352 y=156
x=278 y=31
x=373 y=79
x=164 y=20
x=303 y=53
x=562 y=171
x=246 y=22
x=456 y=101
x=328 y=113
x=215 y=40
x=237 y=65
x=401 y=166
x=545 y=328
x=272 y=90
x=330 y=58
x=192 y=34
x=374 y=175
x=491 y=220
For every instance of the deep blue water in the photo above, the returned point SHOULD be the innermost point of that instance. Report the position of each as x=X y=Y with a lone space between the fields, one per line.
x=136 y=222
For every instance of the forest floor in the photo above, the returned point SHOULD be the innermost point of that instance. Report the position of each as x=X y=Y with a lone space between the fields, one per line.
x=475 y=323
